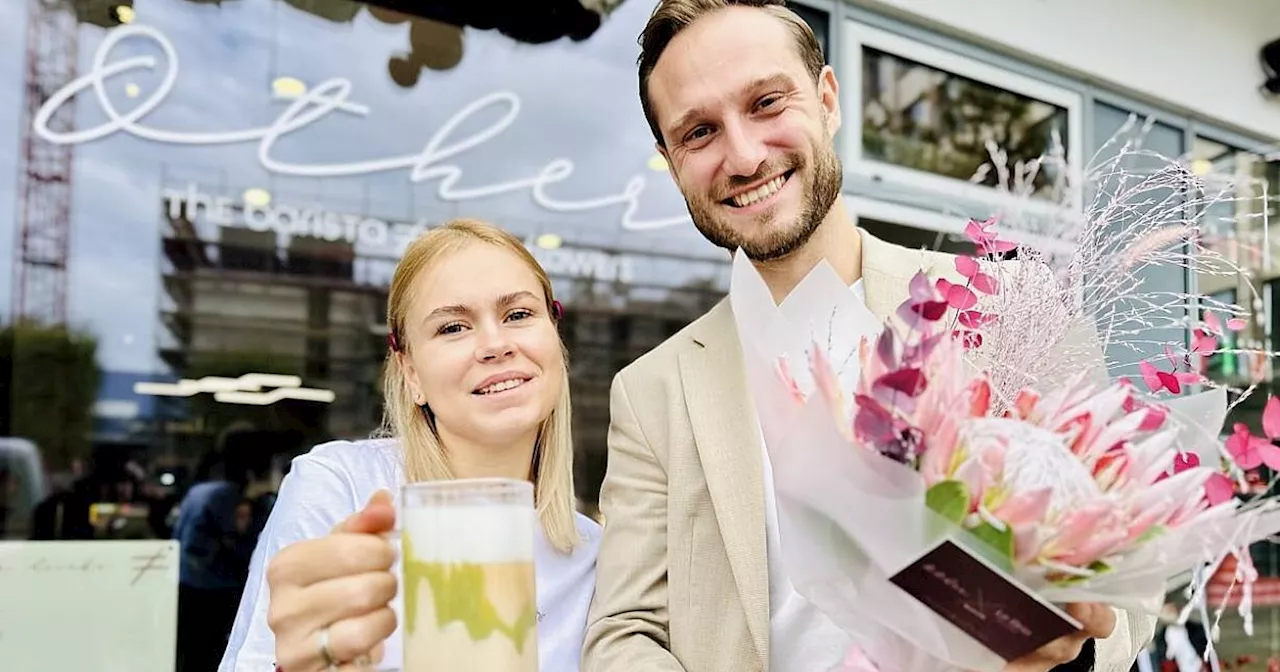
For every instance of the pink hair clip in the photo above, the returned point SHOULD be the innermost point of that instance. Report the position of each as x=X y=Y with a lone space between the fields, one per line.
x=392 y=341
x=557 y=310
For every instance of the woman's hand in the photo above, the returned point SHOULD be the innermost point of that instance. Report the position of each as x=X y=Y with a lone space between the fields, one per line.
x=331 y=597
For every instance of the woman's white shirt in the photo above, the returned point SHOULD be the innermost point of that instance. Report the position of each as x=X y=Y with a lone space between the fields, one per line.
x=336 y=479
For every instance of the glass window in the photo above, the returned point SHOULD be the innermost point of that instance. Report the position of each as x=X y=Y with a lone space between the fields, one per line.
x=239 y=179
x=938 y=122
x=929 y=119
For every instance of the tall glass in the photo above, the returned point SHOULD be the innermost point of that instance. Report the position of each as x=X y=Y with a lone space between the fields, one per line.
x=469 y=597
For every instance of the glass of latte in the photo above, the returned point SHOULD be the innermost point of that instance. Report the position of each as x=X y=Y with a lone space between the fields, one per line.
x=469 y=596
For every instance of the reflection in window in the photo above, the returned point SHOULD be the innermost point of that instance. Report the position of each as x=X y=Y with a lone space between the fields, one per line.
x=931 y=120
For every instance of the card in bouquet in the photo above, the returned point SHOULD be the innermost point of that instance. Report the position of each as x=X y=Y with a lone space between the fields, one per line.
x=983 y=601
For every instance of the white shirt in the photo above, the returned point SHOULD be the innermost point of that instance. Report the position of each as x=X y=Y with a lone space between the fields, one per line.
x=333 y=481
x=802 y=638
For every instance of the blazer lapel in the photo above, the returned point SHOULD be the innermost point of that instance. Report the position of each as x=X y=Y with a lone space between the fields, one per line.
x=887 y=270
x=726 y=431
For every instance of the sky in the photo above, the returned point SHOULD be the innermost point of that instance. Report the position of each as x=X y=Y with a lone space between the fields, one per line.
x=577 y=101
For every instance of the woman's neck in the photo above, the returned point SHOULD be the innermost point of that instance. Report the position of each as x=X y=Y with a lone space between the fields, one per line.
x=468 y=459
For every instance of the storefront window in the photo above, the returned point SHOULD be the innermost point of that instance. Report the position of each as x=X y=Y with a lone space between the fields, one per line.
x=929 y=121
x=246 y=174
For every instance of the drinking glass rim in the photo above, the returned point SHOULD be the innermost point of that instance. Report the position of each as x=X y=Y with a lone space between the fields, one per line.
x=468 y=483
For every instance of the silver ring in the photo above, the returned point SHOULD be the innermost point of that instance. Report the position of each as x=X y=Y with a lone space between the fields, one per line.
x=326 y=654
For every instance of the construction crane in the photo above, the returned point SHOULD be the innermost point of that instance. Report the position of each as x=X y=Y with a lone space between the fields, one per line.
x=43 y=230
x=44 y=176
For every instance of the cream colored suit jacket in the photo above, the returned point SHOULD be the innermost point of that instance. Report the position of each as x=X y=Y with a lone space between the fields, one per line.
x=682 y=578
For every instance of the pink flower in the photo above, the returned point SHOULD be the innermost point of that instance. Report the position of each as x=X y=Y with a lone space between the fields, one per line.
x=1025 y=508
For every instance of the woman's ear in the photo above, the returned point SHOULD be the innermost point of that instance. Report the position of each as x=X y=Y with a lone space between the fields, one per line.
x=410 y=373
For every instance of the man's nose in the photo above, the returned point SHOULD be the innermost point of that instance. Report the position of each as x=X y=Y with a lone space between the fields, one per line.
x=745 y=152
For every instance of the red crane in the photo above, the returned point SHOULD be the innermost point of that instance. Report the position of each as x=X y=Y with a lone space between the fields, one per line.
x=44 y=176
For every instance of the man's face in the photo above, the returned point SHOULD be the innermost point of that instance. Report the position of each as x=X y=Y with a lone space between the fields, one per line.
x=748 y=133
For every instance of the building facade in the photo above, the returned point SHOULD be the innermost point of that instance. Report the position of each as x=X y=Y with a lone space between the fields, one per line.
x=220 y=190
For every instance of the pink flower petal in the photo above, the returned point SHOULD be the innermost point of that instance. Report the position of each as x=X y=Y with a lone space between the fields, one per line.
x=1203 y=343
x=1211 y=320
x=1154 y=418
x=1025 y=508
x=910 y=382
x=986 y=284
x=1236 y=324
x=966 y=266
x=1218 y=489
x=961 y=297
x=1150 y=375
x=1271 y=419
x=972 y=319
x=976 y=232
x=1242 y=447
x=1269 y=453
x=1185 y=461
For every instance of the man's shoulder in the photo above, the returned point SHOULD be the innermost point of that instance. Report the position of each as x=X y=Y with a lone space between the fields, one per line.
x=663 y=361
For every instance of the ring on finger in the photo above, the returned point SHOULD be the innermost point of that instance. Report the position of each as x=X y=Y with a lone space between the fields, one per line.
x=326 y=653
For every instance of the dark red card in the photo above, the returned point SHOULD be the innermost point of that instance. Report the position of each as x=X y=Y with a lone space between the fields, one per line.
x=983 y=601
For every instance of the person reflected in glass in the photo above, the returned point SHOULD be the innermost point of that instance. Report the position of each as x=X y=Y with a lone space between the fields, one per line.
x=475 y=386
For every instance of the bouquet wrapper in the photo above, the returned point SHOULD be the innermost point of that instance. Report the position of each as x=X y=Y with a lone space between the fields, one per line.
x=852 y=520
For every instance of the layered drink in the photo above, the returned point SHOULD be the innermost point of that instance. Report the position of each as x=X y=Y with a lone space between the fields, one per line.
x=470 y=600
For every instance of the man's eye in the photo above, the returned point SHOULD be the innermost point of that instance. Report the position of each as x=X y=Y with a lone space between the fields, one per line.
x=698 y=134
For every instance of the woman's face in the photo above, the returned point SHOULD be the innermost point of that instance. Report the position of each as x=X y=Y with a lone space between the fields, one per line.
x=482 y=351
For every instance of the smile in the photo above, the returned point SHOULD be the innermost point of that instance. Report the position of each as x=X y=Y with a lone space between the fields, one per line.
x=501 y=386
x=760 y=193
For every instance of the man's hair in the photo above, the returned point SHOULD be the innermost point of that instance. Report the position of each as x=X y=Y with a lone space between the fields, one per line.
x=671 y=17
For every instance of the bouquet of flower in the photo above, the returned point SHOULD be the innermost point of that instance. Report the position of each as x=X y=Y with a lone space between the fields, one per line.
x=892 y=441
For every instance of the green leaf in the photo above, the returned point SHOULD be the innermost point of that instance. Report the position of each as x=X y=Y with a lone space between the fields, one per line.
x=999 y=540
x=1151 y=533
x=949 y=499
x=1100 y=567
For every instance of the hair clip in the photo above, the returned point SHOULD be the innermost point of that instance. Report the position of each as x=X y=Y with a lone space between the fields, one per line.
x=392 y=341
x=557 y=310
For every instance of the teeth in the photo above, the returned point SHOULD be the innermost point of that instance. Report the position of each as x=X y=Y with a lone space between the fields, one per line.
x=502 y=386
x=761 y=192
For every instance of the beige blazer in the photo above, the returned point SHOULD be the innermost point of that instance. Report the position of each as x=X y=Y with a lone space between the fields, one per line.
x=682 y=578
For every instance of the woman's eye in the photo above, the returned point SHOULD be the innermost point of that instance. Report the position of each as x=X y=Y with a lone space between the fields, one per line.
x=521 y=314
x=451 y=328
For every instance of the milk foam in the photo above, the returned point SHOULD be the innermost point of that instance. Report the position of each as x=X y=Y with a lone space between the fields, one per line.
x=471 y=533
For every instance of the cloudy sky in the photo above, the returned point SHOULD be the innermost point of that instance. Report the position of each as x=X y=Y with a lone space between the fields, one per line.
x=577 y=102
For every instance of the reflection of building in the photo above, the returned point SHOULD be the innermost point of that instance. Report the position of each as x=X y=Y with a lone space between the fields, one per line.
x=240 y=297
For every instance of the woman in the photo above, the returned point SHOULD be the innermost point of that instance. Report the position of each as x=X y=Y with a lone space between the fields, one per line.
x=467 y=303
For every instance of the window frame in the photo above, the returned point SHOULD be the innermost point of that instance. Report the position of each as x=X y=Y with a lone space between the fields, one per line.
x=870 y=172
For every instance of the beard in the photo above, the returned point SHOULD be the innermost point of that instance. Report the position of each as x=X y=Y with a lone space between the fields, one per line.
x=766 y=238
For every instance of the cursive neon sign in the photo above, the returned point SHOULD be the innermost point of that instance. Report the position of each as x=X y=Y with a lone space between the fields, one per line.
x=329 y=97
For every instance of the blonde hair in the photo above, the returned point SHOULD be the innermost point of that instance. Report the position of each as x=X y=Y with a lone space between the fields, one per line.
x=425 y=457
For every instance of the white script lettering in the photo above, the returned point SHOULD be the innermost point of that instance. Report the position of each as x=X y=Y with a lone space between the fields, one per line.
x=310 y=107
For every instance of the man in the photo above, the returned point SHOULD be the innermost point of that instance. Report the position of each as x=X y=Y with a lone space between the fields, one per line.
x=689 y=576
